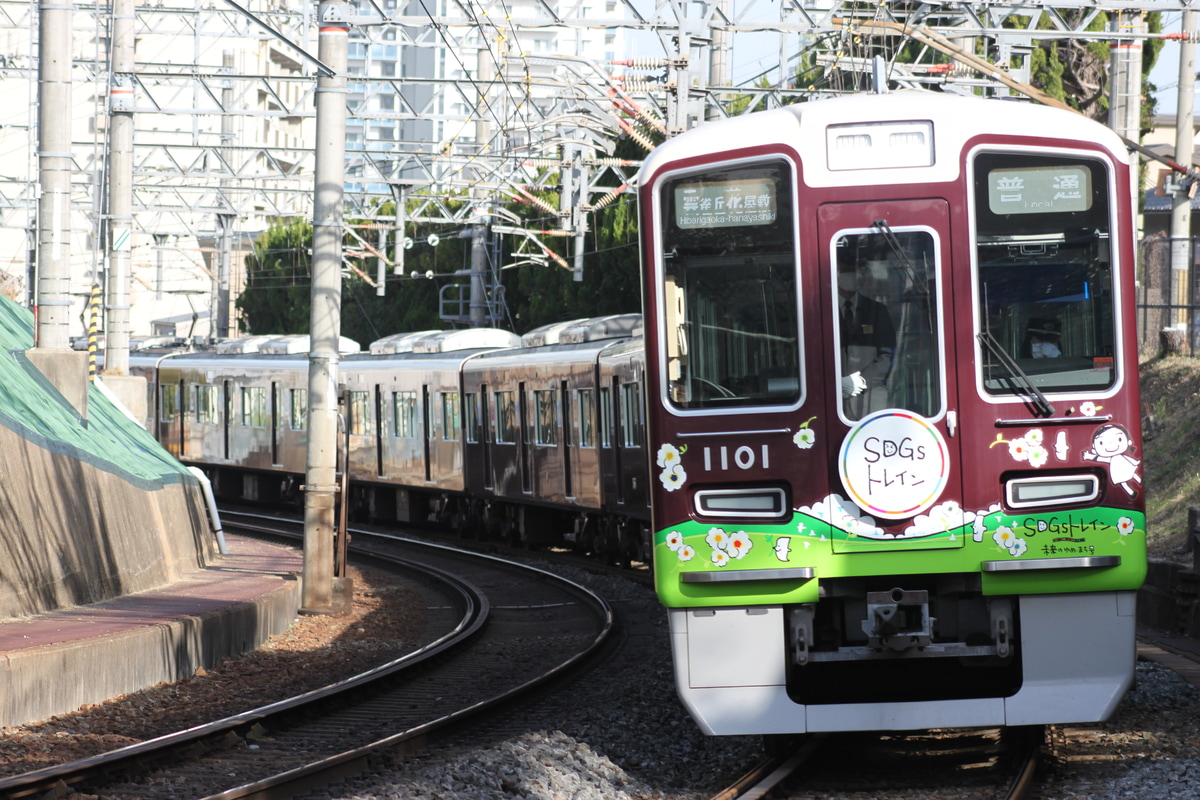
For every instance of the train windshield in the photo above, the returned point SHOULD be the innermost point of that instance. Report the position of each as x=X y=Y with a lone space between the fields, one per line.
x=1045 y=274
x=889 y=350
x=729 y=287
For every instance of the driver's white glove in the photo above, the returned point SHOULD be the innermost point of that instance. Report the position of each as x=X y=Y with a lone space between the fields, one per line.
x=853 y=385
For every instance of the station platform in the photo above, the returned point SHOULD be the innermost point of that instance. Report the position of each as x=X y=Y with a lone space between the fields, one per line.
x=55 y=662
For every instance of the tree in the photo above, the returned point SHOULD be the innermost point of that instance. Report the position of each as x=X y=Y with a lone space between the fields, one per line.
x=275 y=299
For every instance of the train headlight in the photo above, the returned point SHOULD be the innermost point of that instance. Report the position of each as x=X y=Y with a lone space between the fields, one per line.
x=1051 y=490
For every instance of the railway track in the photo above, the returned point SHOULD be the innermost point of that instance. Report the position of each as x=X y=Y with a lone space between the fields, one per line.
x=514 y=629
x=881 y=764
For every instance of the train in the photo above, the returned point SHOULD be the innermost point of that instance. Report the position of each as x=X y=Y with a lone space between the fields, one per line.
x=876 y=429
x=891 y=375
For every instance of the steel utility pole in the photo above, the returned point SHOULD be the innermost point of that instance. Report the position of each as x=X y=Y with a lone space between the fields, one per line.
x=1181 y=201
x=321 y=485
x=54 y=174
x=120 y=189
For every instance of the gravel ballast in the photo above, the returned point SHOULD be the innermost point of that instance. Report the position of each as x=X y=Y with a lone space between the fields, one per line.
x=615 y=734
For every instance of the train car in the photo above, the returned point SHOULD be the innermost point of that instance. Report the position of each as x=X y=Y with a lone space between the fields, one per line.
x=404 y=424
x=533 y=453
x=893 y=412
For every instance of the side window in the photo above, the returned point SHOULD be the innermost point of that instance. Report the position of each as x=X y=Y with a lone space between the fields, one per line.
x=358 y=408
x=451 y=421
x=299 y=409
x=208 y=404
x=631 y=414
x=587 y=417
x=506 y=418
x=471 y=421
x=404 y=414
x=254 y=406
x=170 y=402
x=546 y=417
x=606 y=417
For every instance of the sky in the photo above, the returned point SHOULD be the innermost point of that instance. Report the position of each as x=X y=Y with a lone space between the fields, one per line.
x=1165 y=74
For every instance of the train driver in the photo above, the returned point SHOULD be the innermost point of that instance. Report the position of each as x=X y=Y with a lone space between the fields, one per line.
x=868 y=340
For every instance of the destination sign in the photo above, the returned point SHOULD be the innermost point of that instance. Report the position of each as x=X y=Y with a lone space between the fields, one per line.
x=1039 y=190
x=725 y=204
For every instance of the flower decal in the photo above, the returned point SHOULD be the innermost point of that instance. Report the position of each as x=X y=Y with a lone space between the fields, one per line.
x=673 y=478
x=668 y=456
x=673 y=474
x=805 y=436
x=1088 y=408
x=1014 y=544
x=1030 y=447
x=1125 y=526
x=675 y=540
x=727 y=546
x=739 y=544
x=686 y=552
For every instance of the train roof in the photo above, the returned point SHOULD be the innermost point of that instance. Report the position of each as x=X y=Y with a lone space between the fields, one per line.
x=444 y=341
x=819 y=124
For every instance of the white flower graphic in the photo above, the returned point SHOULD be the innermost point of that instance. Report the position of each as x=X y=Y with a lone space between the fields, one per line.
x=1004 y=537
x=1088 y=408
x=1038 y=456
x=720 y=558
x=1125 y=526
x=673 y=477
x=717 y=538
x=1034 y=436
x=805 y=438
x=1018 y=548
x=668 y=456
x=687 y=552
x=739 y=545
x=674 y=540
x=1019 y=449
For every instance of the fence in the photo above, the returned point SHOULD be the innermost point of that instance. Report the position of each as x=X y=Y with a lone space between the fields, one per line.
x=1168 y=315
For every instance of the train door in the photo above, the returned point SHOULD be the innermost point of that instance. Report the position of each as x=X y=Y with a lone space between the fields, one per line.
x=426 y=432
x=896 y=412
x=486 y=435
x=565 y=417
x=525 y=449
x=276 y=401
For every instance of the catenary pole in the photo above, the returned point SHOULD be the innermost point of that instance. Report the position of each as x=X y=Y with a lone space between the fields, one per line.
x=1181 y=201
x=120 y=188
x=54 y=174
x=326 y=316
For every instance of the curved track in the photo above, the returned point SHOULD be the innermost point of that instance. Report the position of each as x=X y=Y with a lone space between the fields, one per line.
x=516 y=629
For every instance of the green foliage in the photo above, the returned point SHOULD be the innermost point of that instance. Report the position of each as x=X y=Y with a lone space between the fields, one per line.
x=276 y=299
x=278 y=280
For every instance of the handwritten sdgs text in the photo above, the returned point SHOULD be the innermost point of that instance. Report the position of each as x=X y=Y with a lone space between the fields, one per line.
x=894 y=464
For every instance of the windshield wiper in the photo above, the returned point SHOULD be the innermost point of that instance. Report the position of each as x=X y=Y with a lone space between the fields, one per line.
x=1016 y=374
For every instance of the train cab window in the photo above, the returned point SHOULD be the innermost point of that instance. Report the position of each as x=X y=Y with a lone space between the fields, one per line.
x=358 y=410
x=587 y=415
x=506 y=418
x=729 y=316
x=170 y=402
x=606 y=417
x=299 y=409
x=208 y=404
x=404 y=414
x=545 y=428
x=451 y=419
x=889 y=347
x=631 y=414
x=471 y=418
x=1044 y=273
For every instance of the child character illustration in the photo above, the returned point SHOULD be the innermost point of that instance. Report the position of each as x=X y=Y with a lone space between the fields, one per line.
x=1112 y=444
